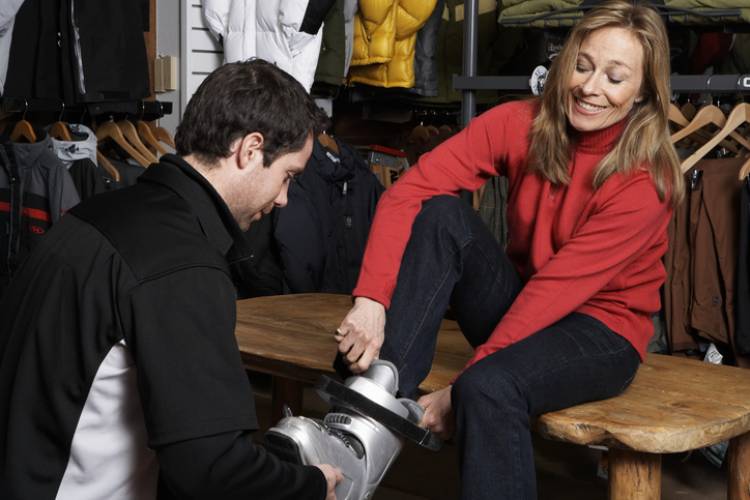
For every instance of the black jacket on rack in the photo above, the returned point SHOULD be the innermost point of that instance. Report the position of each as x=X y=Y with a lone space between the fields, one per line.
x=322 y=232
x=742 y=335
x=79 y=51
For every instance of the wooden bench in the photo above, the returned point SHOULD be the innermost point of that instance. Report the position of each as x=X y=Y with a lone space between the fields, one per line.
x=673 y=405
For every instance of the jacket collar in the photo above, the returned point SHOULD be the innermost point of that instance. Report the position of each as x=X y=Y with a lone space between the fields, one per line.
x=329 y=165
x=212 y=212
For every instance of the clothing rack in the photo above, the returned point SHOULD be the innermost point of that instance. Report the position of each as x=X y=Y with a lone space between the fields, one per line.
x=679 y=83
x=469 y=82
x=672 y=14
x=147 y=110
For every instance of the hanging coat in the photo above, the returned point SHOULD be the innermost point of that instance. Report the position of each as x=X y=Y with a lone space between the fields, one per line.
x=35 y=190
x=385 y=39
x=322 y=232
x=284 y=32
x=8 y=9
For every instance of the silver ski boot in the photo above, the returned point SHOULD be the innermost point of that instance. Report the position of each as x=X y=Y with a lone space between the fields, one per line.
x=362 y=434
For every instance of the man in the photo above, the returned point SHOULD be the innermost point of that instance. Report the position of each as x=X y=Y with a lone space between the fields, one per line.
x=120 y=375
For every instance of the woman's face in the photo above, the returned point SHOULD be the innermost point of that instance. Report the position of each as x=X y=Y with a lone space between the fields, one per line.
x=606 y=80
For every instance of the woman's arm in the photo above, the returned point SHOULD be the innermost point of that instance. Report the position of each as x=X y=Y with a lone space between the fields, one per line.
x=465 y=161
x=632 y=220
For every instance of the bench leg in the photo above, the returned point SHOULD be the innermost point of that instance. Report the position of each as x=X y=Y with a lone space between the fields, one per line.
x=634 y=475
x=285 y=392
x=739 y=468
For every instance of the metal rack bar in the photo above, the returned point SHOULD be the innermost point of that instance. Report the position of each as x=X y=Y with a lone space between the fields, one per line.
x=571 y=14
x=147 y=109
x=471 y=43
x=679 y=83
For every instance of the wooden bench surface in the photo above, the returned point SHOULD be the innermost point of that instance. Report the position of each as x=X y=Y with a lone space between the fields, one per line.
x=292 y=336
x=673 y=405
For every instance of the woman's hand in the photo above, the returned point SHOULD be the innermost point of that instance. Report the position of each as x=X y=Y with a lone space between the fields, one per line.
x=361 y=334
x=333 y=477
x=438 y=412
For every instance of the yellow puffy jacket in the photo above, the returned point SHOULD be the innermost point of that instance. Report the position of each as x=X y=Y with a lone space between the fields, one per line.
x=385 y=36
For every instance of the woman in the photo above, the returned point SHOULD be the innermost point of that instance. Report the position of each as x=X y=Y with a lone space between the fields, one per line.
x=563 y=316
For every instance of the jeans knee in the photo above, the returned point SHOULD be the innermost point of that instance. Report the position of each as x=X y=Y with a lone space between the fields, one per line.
x=488 y=386
x=440 y=213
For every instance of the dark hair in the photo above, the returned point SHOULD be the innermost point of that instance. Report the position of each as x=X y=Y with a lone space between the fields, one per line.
x=244 y=97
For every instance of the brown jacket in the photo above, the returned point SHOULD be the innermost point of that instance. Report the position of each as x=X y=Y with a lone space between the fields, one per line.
x=702 y=259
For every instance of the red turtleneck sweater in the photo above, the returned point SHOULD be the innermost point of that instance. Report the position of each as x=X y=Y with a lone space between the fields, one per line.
x=576 y=249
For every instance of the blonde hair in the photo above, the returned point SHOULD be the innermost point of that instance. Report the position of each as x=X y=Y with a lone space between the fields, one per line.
x=645 y=140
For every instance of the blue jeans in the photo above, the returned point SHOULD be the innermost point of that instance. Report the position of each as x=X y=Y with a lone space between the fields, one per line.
x=452 y=259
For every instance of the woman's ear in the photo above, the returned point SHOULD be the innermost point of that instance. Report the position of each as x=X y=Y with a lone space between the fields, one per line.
x=250 y=150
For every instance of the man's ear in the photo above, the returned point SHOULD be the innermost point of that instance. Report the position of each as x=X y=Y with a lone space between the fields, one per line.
x=250 y=150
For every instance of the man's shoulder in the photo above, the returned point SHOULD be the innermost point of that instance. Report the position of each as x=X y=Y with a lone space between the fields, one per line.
x=151 y=228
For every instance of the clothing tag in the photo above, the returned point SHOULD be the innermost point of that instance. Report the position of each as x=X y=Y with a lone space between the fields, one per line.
x=333 y=157
x=713 y=355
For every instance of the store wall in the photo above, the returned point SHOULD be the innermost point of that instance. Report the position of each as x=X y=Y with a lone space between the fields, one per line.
x=168 y=43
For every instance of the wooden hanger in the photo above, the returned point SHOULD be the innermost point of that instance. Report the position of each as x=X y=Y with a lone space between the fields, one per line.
x=110 y=130
x=107 y=165
x=59 y=130
x=708 y=115
x=421 y=134
x=23 y=131
x=162 y=134
x=131 y=134
x=739 y=115
x=144 y=131
x=688 y=110
x=328 y=142
x=745 y=170
x=675 y=116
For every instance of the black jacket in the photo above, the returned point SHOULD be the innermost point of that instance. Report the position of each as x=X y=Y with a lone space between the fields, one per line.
x=322 y=232
x=148 y=267
x=79 y=51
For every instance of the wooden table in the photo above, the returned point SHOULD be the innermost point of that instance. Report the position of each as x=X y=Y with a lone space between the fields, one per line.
x=673 y=405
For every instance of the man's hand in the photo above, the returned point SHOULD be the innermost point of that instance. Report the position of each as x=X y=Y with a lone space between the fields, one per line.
x=361 y=334
x=438 y=412
x=333 y=477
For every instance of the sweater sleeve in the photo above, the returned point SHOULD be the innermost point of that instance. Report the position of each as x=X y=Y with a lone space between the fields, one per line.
x=465 y=161
x=629 y=222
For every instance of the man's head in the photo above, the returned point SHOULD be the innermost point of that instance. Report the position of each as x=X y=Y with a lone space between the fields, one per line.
x=249 y=128
x=244 y=97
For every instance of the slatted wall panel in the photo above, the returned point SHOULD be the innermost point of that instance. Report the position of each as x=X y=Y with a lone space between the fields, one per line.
x=201 y=53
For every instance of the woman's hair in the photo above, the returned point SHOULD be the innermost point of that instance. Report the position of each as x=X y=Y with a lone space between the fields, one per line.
x=645 y=140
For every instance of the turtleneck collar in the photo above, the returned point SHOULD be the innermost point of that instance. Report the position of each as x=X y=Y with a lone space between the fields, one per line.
x=599 y=141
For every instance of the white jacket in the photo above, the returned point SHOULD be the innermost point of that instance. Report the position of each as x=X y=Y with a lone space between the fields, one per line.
x=275 y=30
x=8 y=10
x=233 y=23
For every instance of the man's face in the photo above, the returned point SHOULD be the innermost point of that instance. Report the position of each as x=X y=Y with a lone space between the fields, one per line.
x=268 y=186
